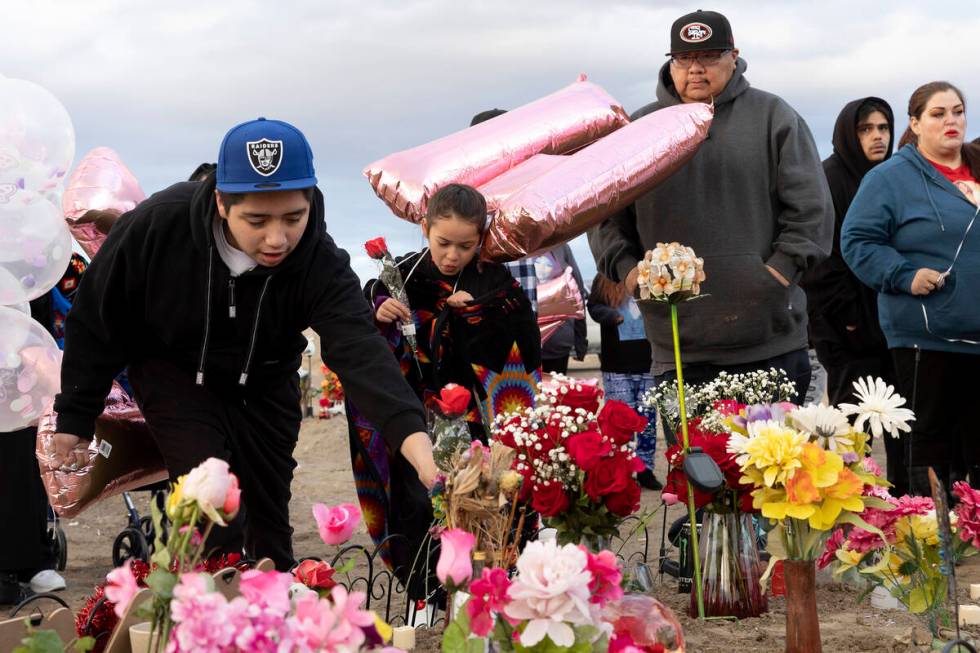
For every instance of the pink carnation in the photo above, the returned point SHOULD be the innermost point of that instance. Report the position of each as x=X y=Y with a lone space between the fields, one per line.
x=488 y=596
x=829 y=554
x=871 y=467
x=863 y=541
x=267 y=589
x=121 y=587
x=201 y=617
x=967 y=513
x=909 y=505
x=606 y=577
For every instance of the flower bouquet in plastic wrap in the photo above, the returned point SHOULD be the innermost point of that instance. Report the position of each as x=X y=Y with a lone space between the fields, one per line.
x=578 y=459
x=391 y=277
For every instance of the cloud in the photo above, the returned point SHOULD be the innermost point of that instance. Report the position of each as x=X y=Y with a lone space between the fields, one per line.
x=162 y=82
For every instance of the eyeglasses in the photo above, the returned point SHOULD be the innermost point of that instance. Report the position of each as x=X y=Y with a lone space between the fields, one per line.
x=687 y=59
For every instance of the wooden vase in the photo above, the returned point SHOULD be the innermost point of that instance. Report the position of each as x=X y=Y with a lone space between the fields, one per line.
x=802 y=623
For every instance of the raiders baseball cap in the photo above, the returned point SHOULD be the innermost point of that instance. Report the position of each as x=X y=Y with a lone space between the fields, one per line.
x=264 y=155
x=701 y=30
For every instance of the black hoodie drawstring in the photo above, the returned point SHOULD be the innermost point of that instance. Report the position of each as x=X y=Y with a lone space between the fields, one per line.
x=207 y=319
x=243 y=379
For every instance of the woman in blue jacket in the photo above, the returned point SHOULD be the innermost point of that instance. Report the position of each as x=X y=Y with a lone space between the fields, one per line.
x=911 y=235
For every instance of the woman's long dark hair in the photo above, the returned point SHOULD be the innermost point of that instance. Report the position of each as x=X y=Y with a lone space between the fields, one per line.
x=917 y=105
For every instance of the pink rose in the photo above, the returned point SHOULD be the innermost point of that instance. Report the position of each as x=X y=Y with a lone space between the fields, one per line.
x=669 y=498
x=233 y=499
x=336 y=523
x=454 y=564
x=121 y=587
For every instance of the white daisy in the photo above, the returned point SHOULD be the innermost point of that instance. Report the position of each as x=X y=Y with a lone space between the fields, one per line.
x=825 y=424
x=880 y=406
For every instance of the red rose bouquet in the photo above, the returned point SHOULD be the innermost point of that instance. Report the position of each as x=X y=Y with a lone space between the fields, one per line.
x=577 y=458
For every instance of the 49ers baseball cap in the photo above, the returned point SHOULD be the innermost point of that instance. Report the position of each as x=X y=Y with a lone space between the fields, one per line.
x=264 y=155
x=701 y=30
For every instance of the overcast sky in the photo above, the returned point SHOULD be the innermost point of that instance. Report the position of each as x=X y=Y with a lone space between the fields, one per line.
x=161 y=83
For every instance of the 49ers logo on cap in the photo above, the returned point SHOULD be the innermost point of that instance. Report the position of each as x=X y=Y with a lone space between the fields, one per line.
x=695 y=33
x=264 y=156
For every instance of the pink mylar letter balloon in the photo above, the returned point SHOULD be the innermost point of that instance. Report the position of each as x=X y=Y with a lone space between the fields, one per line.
x=559 y=299
x=585 y=188
x=558 y=123
x=101 y=181
x=30 y=370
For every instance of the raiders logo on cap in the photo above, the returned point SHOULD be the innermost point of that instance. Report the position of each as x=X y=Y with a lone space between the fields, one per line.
x=264 y=156
x=695 y=33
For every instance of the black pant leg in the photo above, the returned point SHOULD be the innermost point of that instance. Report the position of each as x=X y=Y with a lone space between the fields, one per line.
x=189 y=424
x=559 y=365
x=262 y=442
x=23 y=505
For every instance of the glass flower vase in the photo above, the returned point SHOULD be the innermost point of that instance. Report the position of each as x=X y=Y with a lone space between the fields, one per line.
x=730 y=569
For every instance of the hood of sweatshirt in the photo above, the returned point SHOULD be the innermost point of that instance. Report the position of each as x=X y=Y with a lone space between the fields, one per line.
x=847 y=146
x=204 y=211
x=667 y=94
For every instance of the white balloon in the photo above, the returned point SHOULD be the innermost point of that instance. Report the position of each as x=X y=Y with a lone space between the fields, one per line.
x=35 y=247
x=37 y=140
x=30 y=370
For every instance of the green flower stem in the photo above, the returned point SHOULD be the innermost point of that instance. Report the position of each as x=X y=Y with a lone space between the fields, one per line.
x=691 y=512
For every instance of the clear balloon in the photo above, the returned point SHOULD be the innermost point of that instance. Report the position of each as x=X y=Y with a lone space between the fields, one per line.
x=35 y=247
x=100 y=181
x=37 y=140
x=30 y=370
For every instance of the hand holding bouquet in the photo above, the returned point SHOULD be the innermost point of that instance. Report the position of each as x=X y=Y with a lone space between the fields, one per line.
x=391 y=277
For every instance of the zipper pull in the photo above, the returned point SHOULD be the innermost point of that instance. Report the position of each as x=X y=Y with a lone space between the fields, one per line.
x=232 y=311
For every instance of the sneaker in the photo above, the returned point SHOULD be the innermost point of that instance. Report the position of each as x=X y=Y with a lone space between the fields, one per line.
x=47 y=580
x=648 y=480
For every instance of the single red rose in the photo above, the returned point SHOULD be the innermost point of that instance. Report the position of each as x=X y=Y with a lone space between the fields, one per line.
x=626 y=502
x=549 y=499
x=315 y=574
x=587 y=449
x=376 y=248
x=619 y=422
x=453 y=400
x=585 y=396
x=609 y=476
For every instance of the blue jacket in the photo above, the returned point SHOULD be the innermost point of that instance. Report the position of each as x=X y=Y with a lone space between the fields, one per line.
x=907 y=215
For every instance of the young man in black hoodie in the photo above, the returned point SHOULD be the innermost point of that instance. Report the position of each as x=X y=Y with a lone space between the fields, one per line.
x=843 y=311
x=203 y=291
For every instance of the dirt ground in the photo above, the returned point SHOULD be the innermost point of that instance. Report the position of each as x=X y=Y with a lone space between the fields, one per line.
x=323 y=475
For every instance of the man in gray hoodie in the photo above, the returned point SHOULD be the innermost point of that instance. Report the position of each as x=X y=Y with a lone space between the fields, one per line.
x=753 y=202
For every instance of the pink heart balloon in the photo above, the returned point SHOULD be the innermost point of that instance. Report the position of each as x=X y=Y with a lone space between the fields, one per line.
x=100 y=181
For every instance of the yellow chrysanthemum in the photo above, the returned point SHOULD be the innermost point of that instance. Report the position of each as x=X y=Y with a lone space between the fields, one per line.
x=774 y=450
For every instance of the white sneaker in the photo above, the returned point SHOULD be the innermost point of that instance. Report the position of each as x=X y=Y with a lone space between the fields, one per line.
x=47 y=580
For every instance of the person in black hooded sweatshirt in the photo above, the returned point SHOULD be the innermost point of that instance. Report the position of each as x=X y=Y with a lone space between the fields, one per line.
x=843 y=311
x=204 y=291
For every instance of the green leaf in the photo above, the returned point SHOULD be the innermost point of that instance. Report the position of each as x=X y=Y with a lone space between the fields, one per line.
x=41 y=641
x=162 y=583
x=475 y=645
x=454 y=639
x=84 y=644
